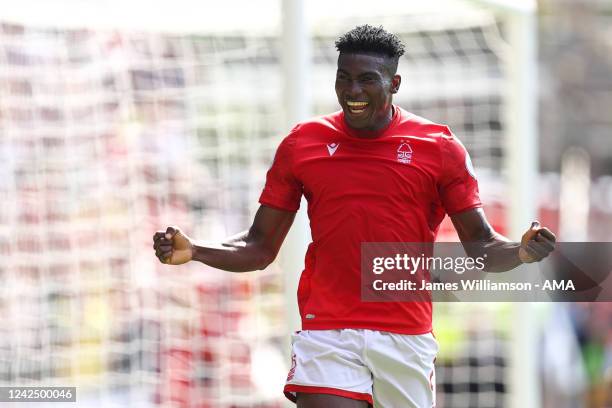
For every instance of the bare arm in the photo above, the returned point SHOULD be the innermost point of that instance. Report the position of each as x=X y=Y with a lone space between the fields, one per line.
x=248 y=251
x=478 y=236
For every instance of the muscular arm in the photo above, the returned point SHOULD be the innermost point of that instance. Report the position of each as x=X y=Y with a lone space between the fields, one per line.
x=248 y=251
x=478 y=237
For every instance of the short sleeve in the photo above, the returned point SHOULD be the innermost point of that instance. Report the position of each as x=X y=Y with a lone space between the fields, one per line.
x=458 y=187
x=282 y=190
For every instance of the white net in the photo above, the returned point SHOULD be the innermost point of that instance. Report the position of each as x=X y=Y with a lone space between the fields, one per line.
x=106 y=136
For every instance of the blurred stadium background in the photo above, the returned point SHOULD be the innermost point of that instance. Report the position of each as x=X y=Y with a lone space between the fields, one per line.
x=118 y=119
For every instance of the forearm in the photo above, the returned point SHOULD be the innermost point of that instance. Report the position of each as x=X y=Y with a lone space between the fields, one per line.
x=480 y=239
x=239 y=253
x=248 y=251
x=501 y=254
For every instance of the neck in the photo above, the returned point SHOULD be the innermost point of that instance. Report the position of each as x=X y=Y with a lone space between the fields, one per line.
x=374 y=131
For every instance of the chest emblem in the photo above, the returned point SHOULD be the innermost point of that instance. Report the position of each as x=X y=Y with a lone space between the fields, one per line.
x=404 y=153
x=332 y=147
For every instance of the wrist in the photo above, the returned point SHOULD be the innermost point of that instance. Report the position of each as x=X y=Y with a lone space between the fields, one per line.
x=195 y=252
x=523 y=256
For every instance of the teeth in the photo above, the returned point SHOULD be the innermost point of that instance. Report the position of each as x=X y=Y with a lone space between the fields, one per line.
x=356 y=104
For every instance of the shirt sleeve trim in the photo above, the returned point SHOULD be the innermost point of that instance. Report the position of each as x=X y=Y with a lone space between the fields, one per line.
x=278 y=206
x=464 y=209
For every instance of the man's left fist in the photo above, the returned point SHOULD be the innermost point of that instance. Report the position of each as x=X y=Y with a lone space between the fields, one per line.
x=536 y=243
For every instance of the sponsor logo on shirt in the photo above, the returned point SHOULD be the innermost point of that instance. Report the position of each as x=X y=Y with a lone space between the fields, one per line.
x=332 y=147
x=404 y=153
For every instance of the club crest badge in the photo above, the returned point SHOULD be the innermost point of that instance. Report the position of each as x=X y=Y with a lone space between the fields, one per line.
x=404 y=153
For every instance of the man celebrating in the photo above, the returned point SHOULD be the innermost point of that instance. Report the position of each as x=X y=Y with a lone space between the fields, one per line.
x=371 y=172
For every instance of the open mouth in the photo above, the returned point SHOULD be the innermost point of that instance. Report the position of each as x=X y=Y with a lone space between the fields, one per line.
x=356 y=108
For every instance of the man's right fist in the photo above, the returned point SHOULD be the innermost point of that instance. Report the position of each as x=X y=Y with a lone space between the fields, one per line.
x=172 y=247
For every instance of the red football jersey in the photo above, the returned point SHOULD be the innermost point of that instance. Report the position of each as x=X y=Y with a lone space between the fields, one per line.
x=394 y=187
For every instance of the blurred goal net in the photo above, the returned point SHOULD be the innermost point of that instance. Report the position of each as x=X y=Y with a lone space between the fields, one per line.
x=108 y=135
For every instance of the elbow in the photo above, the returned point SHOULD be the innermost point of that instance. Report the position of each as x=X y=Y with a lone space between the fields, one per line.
x=266 y=257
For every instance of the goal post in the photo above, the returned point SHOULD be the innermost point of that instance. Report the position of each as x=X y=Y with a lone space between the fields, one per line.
x=297 y=106
x=522 y=167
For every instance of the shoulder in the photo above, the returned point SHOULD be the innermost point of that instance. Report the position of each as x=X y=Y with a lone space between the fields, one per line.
x=418 y=126
x=447 y=144
x=317 y=128
x=318 y=124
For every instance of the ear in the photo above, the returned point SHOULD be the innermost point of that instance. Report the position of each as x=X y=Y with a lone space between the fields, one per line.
x=395 y=83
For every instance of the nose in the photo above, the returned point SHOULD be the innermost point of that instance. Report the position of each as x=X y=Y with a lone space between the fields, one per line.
x=353 y=89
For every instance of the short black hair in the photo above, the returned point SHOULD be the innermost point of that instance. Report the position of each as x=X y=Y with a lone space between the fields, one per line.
x=371 y=40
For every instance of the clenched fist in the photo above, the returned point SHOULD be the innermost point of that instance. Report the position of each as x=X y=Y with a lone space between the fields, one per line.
x=536 y=243
x=172 y=247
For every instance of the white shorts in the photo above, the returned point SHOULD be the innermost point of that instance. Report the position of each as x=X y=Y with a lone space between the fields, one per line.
x=386 y=369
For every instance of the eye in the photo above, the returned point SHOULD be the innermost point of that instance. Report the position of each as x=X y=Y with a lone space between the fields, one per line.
x=341 y=76
x=367 y=79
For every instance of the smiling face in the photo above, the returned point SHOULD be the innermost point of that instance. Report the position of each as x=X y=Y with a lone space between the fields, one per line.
x=365 y=85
